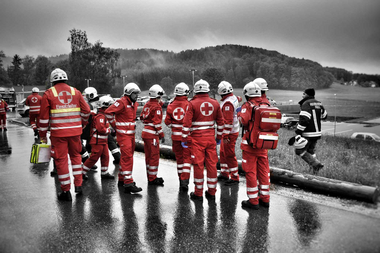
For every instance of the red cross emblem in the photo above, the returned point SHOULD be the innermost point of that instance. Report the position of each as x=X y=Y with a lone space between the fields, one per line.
x=178 y=113
x=65 y=97
x=207 y=109
x=34 y=100
x=146 y=112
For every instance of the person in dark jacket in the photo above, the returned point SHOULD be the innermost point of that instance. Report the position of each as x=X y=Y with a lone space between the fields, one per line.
x=309 y=127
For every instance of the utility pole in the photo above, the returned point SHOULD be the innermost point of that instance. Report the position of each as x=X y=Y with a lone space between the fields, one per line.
x=193 y=71
x=335 y=114
x=88 y=82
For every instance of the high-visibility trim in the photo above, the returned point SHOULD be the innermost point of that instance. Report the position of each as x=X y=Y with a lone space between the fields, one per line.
x=253 y=196
x=100 y=136
x=203 y=123
x=125 y=123
x=270 y=120
x=176 y=125
x=264 y=186
x=212 y=179
x=268 y=137
x=58 y=128
x=66 y=114
x=56 y=121
x=149 y=131
x=77 y=109
x=306 y=114
x=196 y=180
x=63 y=176
x=252 y=189
x=44 y=121
x=125 y=132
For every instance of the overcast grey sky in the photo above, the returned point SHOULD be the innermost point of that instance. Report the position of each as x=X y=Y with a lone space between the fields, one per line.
x=335 y=33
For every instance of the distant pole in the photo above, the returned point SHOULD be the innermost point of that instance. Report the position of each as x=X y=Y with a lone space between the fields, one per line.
x=123 y=81
x=335 y=114
x=192 y=71
x=88 y=82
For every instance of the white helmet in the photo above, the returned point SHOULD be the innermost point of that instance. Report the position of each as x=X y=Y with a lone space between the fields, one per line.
x=300 y=142
x=35 y=89
x=90 y=93
x=156 y=91
x=181 y=89
x=252 y=90
x=130 y=88
x=58 y=75
x=201 y=86
x=105 y=101
x=262 y=83
x=224 y=88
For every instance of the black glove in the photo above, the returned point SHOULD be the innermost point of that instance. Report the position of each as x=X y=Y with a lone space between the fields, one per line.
x=162 y=140
x=291 y=141
x=113 y=132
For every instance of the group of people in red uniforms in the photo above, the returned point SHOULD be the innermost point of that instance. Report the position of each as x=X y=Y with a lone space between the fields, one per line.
x=197 y=125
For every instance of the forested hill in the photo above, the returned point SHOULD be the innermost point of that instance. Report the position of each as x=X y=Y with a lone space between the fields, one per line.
x=234 y=63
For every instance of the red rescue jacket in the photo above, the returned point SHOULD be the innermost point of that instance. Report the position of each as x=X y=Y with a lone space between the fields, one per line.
x=175 y=114
x=65 y=110
x=34 y=103
x=151 y=116
x=122 y=116
x=3 y=107
x=201 y=117
x=100 y=128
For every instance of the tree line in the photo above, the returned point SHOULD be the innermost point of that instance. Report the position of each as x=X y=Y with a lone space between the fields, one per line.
x=108 y=70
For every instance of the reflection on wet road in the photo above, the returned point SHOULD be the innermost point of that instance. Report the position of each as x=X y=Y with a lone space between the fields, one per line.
x=160 y=219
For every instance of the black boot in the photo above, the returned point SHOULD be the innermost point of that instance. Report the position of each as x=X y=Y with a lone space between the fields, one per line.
x=65 y=196
x=157 y=181
x=107 y=176
x=78 y=190
x=247 y=204
x=132 y=188
x=184 y=185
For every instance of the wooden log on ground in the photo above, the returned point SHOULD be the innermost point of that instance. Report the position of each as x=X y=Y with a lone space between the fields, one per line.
x=326 y=185
x=306 y=181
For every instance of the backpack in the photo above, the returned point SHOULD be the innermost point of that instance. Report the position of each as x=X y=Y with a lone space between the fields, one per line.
x=263 y=131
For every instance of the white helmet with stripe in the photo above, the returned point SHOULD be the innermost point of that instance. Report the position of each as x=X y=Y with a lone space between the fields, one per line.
x=58 y=75
x=251 y=89
x=262 y=83
x=201 y=86
x=105 y=101
x=130 y=88
x=156 y=91
x=181 y=89
x=224 y=88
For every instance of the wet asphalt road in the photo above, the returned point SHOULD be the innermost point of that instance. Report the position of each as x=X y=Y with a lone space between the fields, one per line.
x=160 y=219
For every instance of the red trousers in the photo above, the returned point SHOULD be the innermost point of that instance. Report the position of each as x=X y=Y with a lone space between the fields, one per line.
x=204 y=152
x=97 y=151
x=127 y=147
x=256 y=167
x=60 y=147
x=228 y=162
x=152 y=157
x=3 y=120
x=34 y=120
x=183 y=157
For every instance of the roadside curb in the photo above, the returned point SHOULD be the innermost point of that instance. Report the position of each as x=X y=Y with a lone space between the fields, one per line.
x=313 y=183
